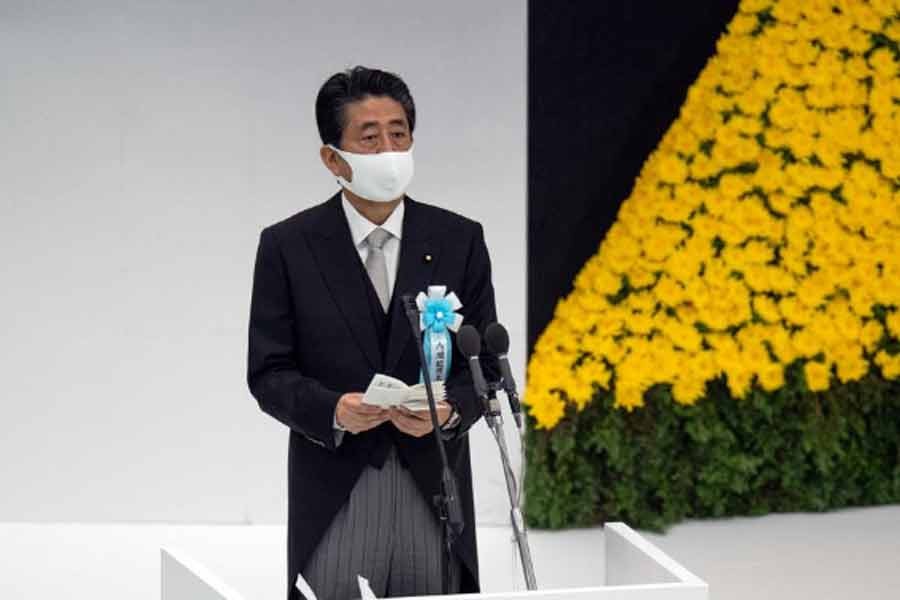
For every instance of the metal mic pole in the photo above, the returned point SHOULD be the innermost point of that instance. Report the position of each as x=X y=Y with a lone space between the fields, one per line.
x=496 y=339
x=470 y=345
x=448 y=500
x=515 y=513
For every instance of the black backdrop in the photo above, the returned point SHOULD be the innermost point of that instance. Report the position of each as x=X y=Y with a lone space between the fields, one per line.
x=605 y=80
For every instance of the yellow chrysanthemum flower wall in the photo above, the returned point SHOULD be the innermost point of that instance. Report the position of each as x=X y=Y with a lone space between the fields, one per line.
x=763 y=230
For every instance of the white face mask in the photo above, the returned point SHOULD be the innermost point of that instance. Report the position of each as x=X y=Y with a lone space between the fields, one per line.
x=380 y=177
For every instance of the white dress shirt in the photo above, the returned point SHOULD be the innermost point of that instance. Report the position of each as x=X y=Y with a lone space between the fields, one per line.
x=360 y=228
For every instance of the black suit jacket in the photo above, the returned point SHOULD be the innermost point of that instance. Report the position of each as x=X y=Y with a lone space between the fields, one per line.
x=311 y=339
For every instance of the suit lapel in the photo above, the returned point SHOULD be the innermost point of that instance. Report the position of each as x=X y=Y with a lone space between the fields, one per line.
x=339 y=263
x=414 y=273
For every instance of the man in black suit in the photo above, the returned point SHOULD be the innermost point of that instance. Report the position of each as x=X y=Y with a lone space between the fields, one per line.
x=326 y=316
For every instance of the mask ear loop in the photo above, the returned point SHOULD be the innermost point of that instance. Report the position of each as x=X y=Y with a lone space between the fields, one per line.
x=340 y=153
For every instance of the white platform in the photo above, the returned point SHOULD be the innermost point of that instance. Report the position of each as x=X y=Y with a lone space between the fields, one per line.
x=632 y=569
x=845 y=554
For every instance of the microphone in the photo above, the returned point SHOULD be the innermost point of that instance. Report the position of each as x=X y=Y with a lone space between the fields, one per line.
x=497 y=341
x=470 y=345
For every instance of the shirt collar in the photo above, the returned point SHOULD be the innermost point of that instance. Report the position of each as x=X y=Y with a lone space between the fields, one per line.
x=361 y=227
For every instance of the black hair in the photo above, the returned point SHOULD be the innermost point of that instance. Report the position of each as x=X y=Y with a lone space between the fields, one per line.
x=353 y=85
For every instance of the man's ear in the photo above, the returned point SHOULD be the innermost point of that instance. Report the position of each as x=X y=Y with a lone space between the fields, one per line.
x=334 y=163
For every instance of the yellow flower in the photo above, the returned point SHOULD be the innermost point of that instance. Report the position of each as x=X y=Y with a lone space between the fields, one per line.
x=766 y=308
x=743 y=24
x=764 y=278
x=858 y=41
x=629 y=397
x=589 y=373
x=892 y=30
x=771 y=377
x=669 y=291
x=672 y=169
x=547 y=410
x=813 y=290
x=738 y=379
x=893 y=323
x=857 y=67
x=687 y=390
x=787 y=12
x=782 y=345
x=780 y=202
x=883 y=8
x=818 y=376
x=681 y=335
x=605 y=282
x=795 y=311
x=781 y=261
x=890 y=365
x=758 y=252
x=851 y=364
x=755 y=6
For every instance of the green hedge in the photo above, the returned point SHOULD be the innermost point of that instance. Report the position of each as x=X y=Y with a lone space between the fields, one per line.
x=791 y=450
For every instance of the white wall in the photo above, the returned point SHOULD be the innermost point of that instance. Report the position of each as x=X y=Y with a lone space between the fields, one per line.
x=143 y=145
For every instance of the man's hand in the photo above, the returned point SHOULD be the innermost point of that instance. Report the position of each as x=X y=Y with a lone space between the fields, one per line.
x=354 y=416
x=418 y=422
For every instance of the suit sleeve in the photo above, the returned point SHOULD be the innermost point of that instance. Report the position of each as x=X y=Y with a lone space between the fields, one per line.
x=282 y=391
x=479 y=310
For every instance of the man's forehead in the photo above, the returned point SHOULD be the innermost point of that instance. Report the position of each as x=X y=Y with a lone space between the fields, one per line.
x=373 y=111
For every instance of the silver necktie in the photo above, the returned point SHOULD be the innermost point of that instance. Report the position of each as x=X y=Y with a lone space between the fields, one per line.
x=376 y=265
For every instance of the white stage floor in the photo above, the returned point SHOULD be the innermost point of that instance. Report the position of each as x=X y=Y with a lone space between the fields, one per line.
x=845 y=554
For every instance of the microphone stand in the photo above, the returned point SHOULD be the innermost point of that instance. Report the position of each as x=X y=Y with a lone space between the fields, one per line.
x=447 y=501
x=494 y=420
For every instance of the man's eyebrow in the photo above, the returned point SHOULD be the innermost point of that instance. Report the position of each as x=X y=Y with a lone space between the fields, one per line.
x=367 y=124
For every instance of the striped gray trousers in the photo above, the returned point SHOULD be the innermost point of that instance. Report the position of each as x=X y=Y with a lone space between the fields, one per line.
x=388 y=533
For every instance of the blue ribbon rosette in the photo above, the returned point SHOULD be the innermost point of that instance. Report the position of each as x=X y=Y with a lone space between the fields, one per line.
x=437 y=318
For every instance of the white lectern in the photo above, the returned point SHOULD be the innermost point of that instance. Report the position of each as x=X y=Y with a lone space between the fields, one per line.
x=182 y=577
x=634 y=569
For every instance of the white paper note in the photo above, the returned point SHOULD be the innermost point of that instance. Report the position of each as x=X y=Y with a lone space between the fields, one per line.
x=365 y=590
x=386 y=391
x=304 y=588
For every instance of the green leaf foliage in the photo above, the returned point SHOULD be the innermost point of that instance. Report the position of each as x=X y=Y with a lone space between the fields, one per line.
x=791 y=450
